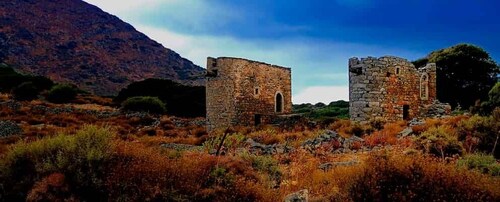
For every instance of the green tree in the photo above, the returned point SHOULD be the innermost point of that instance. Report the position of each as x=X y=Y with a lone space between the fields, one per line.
x=25 y=91
x=144 y=104
x=10 y=79
x=62 y=93
x=465 y=73
x=182 y=100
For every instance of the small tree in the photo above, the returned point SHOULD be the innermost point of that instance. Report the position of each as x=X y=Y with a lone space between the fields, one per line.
x=26 y=91
x=62 y=93
x=487 y=107
x=144 y=104
x=494 y=96
x=463 y=69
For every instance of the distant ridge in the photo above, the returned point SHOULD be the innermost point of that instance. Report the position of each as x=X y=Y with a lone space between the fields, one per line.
x=73 y=41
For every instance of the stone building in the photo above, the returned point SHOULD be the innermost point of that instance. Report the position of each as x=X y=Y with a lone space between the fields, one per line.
x=390 y=88
x=242 y=92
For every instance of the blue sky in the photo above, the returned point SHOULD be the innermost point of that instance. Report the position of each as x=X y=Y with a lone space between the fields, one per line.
x=315 y=37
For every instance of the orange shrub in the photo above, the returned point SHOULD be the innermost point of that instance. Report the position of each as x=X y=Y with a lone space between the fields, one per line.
x=141 y=172
x=343 y=127
x=392 y=177
x=386 y=136
x=380 y=138
x=269 y=136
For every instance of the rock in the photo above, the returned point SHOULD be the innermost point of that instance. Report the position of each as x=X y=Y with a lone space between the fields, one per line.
x=436 y=110
x=407 y=131
x=316 y=142
x=416 y=122
x=356 y=139
x=262 y=149
x=8 y=128
x=329 y=136
x=12 y=104
x=300 y=196
x=350 y=141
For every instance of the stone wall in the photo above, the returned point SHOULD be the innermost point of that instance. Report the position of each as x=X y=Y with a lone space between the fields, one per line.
x=389 y=88
x=243 y=92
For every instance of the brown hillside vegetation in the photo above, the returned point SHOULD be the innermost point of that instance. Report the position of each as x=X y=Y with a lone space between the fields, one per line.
x=92 y=152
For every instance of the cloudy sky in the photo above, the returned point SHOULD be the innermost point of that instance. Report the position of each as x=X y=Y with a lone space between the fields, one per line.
x=314 y=37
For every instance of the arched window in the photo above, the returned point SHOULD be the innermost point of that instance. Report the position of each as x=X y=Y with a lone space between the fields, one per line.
x=279 y=103
x=424 y=87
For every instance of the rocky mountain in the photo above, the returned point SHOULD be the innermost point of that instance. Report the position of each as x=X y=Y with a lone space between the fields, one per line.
x=75 y=42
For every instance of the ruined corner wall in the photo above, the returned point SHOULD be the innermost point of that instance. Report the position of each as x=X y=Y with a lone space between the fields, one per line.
x=240 y=91
x=389 y=88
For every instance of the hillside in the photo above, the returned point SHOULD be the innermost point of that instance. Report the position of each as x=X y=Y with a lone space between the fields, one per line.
x=73 y=41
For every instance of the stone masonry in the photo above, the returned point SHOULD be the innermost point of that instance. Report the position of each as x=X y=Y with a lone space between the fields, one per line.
x=241 y=92
x=389 y=88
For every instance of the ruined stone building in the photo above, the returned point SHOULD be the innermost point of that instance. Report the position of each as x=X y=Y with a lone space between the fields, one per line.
x=241 y=92
x=390 y=88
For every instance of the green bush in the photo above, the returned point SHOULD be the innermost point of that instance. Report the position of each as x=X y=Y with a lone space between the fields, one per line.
x=494 y=95
x=439 y=141
x=320 y=111
x=484 y=128
x=486 y=107
x=265 y=164
x=182 y=100
x=62 y=93
x=80 y=158
x=144 y=104
x=10 y=79
x=25 y=91
x=484 y=163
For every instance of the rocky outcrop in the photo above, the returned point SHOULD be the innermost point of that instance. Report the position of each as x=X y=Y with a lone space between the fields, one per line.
x=75 y=42
x=300 y=196
x=344 y=144
x=263 y=149
x=436 y=110
x=8 y=128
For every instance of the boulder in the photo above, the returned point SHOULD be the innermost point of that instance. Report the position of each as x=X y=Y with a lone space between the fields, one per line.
x=300 y=196
x=407 y=131
x=263 y=149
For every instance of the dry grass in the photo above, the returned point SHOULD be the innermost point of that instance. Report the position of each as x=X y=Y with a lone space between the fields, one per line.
x=138 y=169
x=387 y=136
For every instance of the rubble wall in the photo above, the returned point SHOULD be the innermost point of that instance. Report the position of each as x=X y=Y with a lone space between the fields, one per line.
x=389 y=88
x=239 y=91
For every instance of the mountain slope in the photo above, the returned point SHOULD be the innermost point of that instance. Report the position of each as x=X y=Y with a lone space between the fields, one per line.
x=73 y=41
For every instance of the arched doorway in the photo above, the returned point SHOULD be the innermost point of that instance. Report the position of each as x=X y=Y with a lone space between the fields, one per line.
x=424 y=87
x=279 y=103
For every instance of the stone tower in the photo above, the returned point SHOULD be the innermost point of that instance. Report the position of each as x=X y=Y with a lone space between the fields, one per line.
x=390 y=88
x=241 y=92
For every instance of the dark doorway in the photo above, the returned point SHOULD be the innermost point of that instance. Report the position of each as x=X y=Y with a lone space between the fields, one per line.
x=258 y=119
x=279 y=103
x=406 y=112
